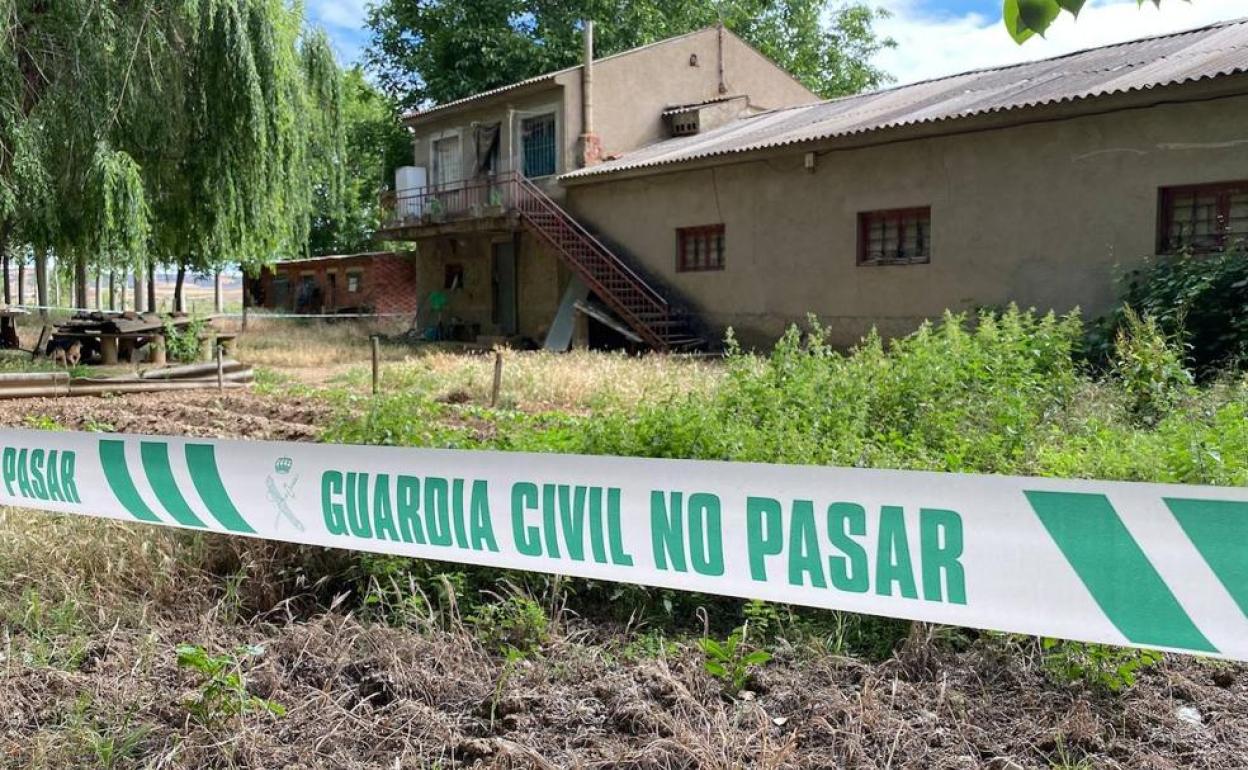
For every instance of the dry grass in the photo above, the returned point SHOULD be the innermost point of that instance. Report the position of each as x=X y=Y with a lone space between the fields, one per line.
x=536 y=380
x=320 y=353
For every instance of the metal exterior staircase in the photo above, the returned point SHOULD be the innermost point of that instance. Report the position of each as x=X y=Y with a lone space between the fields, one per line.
x=634 y=300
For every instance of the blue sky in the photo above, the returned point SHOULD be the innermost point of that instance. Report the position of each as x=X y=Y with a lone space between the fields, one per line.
x=935 y=37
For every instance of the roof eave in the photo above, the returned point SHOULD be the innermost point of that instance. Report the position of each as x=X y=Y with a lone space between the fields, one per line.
x=998 y=119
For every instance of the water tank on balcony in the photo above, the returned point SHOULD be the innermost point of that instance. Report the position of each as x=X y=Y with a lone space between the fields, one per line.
x=410 y=183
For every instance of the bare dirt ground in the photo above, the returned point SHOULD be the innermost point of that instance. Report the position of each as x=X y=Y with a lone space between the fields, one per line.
x=370 y=697
x=191 y=413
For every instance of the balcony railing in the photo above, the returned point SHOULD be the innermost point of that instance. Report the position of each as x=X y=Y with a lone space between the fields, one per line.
x=452 y=201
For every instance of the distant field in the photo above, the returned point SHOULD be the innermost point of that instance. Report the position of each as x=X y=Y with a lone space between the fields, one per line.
x=197 y=293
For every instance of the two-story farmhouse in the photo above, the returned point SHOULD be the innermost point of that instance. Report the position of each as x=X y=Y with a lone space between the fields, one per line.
x=678 y=189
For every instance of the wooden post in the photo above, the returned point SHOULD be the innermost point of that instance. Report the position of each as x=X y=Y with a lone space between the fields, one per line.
x=498 y=378
x=159 y=355
x=376 y=364
x=220 y=368
x=108 y=349
x=44 y=333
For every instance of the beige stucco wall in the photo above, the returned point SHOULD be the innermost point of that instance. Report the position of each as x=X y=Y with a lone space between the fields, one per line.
x=1044 y=215
x=631 y=90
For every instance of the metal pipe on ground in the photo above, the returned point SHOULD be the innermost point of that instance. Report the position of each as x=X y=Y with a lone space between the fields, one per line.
x=48 y=378
x=97 y=389
x=193 y=370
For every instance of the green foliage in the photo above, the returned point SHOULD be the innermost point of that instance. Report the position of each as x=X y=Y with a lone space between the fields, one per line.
x=42 y=422
x=53 y=633
x=182 y=345
x=1098 y=666
x=949 y=397
x=431 y=52
x=192 y=133
x=516 y=626
x=223 y=692
x=1025 y=18
x=120 y=220
x=1150 y=368
x=376 y=143
x=732 y=661
x=1197 y=299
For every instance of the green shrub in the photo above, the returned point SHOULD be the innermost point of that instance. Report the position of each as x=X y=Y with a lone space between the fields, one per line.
x=516 y=626
x=183 y=345
x=732 y=661
x=1149 y=368
x=1200 y=299
x=1098 y=666
x=223 y=692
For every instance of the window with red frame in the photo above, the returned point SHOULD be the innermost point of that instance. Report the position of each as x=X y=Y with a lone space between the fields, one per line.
x=895 y=237
x=1203 y=218
x=699 y=248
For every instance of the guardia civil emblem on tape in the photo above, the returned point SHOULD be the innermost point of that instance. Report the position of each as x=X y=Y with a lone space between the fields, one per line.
x=1148 y=565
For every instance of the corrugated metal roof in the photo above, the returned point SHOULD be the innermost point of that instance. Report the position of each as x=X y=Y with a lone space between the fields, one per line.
x=1209 y=52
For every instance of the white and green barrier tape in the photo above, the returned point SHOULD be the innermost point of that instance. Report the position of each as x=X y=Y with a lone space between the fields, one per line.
x=1146 y=565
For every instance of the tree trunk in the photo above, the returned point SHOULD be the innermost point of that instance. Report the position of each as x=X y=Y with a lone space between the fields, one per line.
x=218 y=301
x=97 y=288
x=41 y=281
x=4 y=254
x=112 y=289
x=21 y=281
x=151 y=287
x=80 y=281
x=177 y=288
x=125 y=280
x=138 y=290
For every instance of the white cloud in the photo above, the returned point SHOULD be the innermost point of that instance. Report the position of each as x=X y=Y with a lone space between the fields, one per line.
x=343 y=21
x=930 y=45
x=343 y=14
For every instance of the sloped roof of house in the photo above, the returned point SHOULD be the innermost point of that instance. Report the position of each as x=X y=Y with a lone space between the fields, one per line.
x=1215 y=51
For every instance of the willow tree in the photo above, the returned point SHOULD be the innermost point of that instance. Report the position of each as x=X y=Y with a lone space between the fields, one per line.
x=189 y=132
x=253 y=128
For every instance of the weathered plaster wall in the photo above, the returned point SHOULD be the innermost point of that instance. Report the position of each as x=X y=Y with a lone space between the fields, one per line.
x=1044 y=215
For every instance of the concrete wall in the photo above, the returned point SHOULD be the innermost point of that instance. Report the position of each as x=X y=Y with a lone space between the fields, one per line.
x=540 y=281
x=632 y=90
x=1044 y=215
x=630 y=93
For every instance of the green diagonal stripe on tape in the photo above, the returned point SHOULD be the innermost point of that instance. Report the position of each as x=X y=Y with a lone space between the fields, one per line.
x=113 y=460
x=201 y=459
x=1116 y=570
x=1219 y=530
x=156 y=465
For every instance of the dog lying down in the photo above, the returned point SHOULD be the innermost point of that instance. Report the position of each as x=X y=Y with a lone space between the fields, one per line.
x=66 y=353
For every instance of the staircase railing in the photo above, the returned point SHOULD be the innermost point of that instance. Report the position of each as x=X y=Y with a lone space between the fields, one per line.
x=618 y=285
x=629 y=295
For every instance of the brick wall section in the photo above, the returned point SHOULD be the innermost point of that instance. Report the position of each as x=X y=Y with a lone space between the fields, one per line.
x=387 y=284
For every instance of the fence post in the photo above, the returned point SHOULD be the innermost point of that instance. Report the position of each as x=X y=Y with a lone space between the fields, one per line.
x=376 y=363
x=220 y=368
x=498 y=378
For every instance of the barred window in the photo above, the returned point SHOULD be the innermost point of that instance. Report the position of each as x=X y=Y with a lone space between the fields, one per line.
x=1203 y=218
x=895 y=237
x=699 y=248
x=537 y=137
